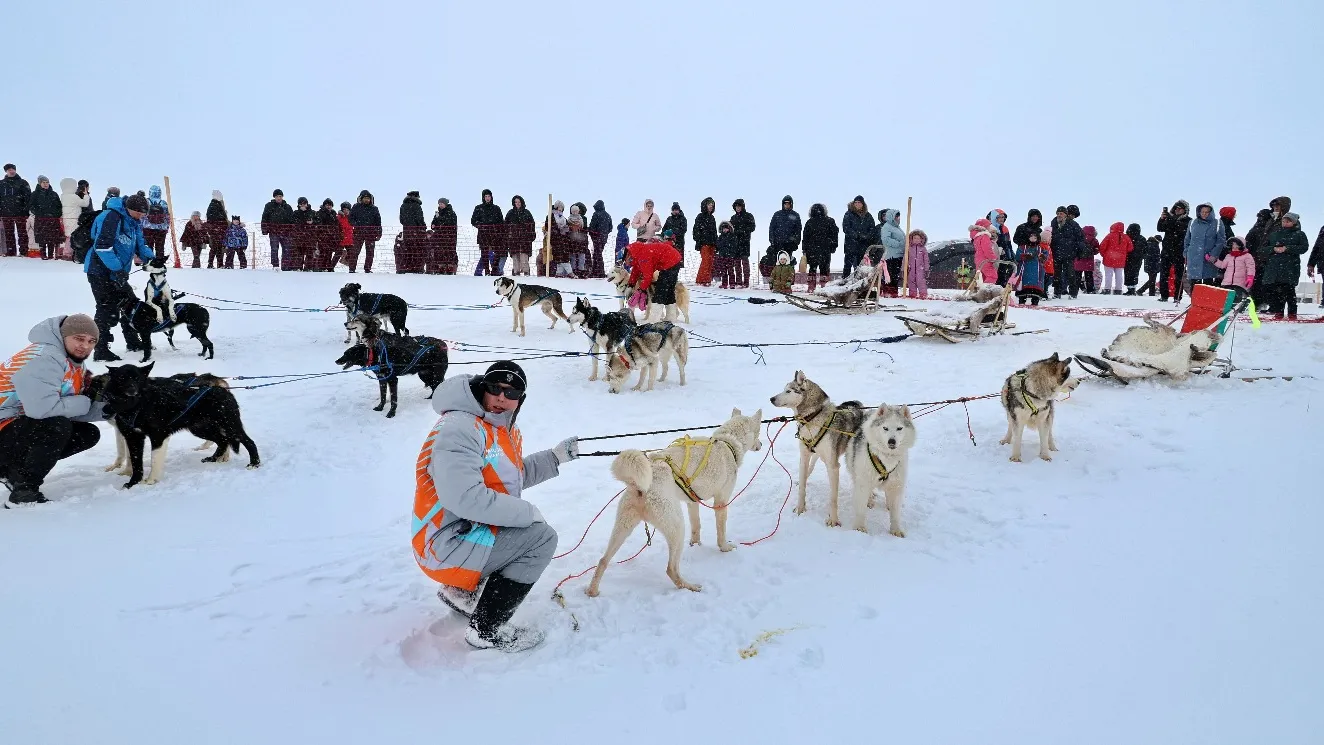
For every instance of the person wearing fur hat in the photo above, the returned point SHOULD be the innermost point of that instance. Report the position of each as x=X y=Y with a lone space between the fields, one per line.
x=1032 y=264
x=46 y=412
x=821 y=239
x=474 y=533
x=1282 y=271
x=521 y=232
x=218 y=222
x=236 y=243
x=917 y=265
x=47 y=225
x=442 y=255
x=111 y=193
x=742 y=225
x=893 y=240
x=783 y=274
x=577 y=224
x=409 y=255
x=858 y=231
x=490 y=223
x=277 y=222
x=15 y=192
x=1173 y=224
x=728 y=253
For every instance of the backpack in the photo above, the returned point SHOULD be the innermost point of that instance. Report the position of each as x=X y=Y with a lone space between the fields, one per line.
x=156 y=217
x=81 y=239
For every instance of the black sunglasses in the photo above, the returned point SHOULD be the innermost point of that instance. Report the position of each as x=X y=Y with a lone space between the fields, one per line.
x=510 y=393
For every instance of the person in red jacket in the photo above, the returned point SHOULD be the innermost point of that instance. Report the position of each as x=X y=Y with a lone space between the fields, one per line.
x=662 y=258
x=1114 y=249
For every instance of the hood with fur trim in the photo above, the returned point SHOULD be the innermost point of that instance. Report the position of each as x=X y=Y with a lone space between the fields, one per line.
x=818 y=210
x=858 y=198
x=982 y=225
x=921 y=235
x=1284 y=204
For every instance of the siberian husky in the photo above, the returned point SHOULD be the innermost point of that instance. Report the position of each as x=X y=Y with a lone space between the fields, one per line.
x=620 y=279
x=523 y=297
x=1028 y=398
x=650 y=345
x=653 y=495
x=879 y=459
x=385 y=307
x=157 y=293
x=607 y=331
x=825 y=432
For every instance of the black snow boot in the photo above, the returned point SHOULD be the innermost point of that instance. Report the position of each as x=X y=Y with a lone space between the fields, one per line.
x=103 y=354
x=490 y=628
x=24 y=495
x=461 y=601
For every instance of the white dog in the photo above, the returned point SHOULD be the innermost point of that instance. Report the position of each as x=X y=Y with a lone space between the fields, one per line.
x=688 y=471
x=879 y=459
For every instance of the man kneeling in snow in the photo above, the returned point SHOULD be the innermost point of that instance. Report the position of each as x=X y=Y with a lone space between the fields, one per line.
x=44 y=416
x=472 y=531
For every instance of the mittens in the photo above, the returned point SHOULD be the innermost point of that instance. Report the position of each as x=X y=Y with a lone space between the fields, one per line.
x=566 y=450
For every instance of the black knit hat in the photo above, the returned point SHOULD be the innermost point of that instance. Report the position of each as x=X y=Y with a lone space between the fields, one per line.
x=1073 y=210
x=412 y=194
x=136 y=203
x=10 y=167
x=277 y=193
x=328 y=203
x=304 y=200
x=1060 y=208
x=346 y=206
x=506 y=373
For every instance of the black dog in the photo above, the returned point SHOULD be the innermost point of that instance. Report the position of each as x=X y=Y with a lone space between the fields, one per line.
x=146 y=408
x=385 y=307
x=142 y=318
x=393 y=356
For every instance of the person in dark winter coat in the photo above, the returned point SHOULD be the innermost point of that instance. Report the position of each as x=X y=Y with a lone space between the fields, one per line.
x=705 y=240
x=859 y=230
x=1255 y=238
x=218 y=222
x=521 y=232
x=195 y=237
x=409 y=259
x=743 y=226
x=367 y=222
x=599 y=231
x=679 y=226
x=329 y=238
x=443 y=257
x=304 y=237
x=1006 y=250
x=1172 y=268
x=727 y=256
x=1034 y=221
x=1316 y=262
x=15 y=192
x=1135 y=259
x=489 y=221
x=117 y=242
x=1031 y=262
x=1153 y=251
x=1068 y=243
x=1204 y=238
x=821 y=239
x=622 y=241
x=1084 y=263
x=47 y=223
x=784 y=231
x=1282 y=271
x=277 y=222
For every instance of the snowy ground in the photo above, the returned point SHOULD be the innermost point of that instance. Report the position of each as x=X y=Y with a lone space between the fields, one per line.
x=1152 y=584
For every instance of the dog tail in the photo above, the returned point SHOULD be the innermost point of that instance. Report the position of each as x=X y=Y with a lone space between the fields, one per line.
x=681 y=341
x=633 y=469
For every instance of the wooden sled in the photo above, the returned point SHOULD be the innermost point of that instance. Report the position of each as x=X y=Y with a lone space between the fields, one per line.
x=825 y=307
x=980 y=312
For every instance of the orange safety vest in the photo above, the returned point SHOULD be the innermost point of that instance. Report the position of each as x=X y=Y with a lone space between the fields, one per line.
x=71 y=385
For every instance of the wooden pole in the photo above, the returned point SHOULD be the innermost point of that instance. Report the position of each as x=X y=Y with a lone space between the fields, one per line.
x=905 y=257
x=547 y=238
x=170 y=205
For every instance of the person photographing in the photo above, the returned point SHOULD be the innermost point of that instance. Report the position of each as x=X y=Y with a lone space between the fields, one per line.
x=472 y=531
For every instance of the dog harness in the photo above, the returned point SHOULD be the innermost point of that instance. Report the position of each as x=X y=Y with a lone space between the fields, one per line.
x=878 y=466
x=386 y=369
x=1020 y=377
x=678 y=472
x=157 y=290
x=812 y=442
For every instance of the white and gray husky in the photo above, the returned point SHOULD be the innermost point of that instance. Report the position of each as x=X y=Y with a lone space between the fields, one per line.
x=1029 y=400
x=825 y=431
x=879 y=458
x=607 y=331
x=650 y=345
x=654 y=494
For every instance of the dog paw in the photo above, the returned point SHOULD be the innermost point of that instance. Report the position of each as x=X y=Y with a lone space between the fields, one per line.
x=695 y=542
x=1045 y=456
x=898 y=532
x=149 y=481
x=833 y=522
x=592 y=377
x=1015 y=459
x=799 y=510
x=682 y=585
x=591 y=592
x=1004 y=441
x=130 y=484
x=1053 y=448
x=871 y=503
x=727 y=547
x=112 y=467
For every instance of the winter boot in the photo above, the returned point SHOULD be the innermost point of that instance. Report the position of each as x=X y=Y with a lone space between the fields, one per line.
x=24 y=495
x=672 y=313
x=1130 y=291
x=489 y=628
x=103 y=354
x=461 y=601
x=813 y=282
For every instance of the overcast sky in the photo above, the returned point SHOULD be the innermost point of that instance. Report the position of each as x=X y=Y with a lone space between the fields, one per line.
x=1121 y=107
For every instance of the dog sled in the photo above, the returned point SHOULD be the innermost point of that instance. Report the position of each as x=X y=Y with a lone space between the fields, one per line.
x=1159 y=349
x=851 y=295
x=979 y=311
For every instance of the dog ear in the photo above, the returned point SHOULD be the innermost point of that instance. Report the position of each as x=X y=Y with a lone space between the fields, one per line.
x=799 y=376
x=735 y=412
x=1054 y=357
x=905 y=413
x=147 y=369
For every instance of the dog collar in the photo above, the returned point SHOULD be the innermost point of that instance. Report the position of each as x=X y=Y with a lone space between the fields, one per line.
x=624 y=360
x=877 y=464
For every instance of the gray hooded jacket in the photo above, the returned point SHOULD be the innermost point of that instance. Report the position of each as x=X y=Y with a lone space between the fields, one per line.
x=40 y=381
x=1203 y=237
x=892 y=236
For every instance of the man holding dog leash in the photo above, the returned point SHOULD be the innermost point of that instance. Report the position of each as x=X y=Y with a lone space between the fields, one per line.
x=472 y=530
x=117 y=236
x=45 y=416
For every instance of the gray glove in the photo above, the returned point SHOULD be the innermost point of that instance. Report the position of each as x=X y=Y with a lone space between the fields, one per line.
x=566 y=450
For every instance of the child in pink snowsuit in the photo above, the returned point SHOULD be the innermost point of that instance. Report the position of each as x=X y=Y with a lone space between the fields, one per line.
x=986 y=250
x=1238 y=268
x=917 y=265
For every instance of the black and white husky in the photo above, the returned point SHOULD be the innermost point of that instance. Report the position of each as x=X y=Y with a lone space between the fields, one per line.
x=607 y=331
x=523 y=297
x=385 y=307
x=879 y=458
x=649 y=346
x=143 y=318
x=157 y=293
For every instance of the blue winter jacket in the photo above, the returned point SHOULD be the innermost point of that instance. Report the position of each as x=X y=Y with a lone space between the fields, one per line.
x=158 y=213
x=892 y=236
x=116 y=238
x=236 y=237
x=1203 y=237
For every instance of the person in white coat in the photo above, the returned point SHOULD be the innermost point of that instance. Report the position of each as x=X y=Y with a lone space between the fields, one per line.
x=72 y=205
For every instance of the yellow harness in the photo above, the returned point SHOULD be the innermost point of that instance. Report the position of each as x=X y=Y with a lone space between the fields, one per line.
x=678 y=472
x=877 y=464
x=1025 y=394
x=812 y=442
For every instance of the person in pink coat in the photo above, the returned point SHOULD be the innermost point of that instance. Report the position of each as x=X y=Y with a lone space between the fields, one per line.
x=1238 y=268
x=986 y=250
x=917 y=265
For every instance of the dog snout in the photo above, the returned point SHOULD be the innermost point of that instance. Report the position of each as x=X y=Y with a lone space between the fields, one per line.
x=891 y=442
